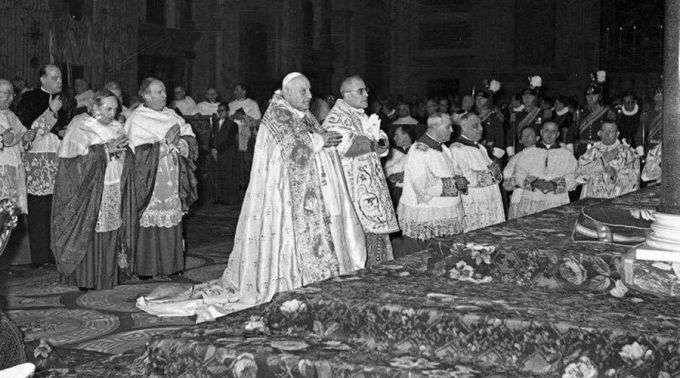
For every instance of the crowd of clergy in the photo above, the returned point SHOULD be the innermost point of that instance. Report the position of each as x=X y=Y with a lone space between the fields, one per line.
x=456 y=167
x=105 y=186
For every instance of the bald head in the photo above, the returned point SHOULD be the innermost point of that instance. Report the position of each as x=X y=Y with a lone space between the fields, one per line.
x=354 y=92
x=350 y=83
x=297 y=92
x=6 y=94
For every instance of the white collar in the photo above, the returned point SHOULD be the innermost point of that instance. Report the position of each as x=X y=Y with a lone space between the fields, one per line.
x=562 y=112
x=433 y=138
x=518 y=109
x=630 y=113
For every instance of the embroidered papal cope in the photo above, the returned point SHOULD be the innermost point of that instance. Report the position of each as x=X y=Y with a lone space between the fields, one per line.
x=297 y=224
x=364 y=173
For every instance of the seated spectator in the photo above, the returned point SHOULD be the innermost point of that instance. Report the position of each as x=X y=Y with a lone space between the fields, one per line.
x=404 y=115
x=609 y=168
x=433 y=183
x=404 y=136
x=540 y=176
x=183 y=104
x=209 y=106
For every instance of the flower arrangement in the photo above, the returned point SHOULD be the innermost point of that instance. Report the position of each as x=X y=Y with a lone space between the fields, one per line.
x=601 y=76
x=256 y=324
x=535 y=82
x=469 y=262
x=635 y=353
x=292 y=307
x=287 y=315
x=584 y=368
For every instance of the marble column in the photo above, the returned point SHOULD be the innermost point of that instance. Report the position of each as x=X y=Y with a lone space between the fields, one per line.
x=670 y=184
x=654 y=266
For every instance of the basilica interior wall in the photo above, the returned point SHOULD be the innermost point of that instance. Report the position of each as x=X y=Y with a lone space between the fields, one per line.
x=507 y=41
x=409 y=47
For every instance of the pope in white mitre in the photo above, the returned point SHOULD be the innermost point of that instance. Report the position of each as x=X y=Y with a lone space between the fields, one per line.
x=297 y=223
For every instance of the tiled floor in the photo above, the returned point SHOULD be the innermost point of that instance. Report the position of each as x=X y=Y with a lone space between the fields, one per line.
x=107 y=321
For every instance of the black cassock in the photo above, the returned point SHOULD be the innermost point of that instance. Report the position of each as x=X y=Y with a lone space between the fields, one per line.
x=227 y=172
x=32 y=105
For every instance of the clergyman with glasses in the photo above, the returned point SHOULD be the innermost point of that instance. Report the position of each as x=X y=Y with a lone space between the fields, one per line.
x=363 y=143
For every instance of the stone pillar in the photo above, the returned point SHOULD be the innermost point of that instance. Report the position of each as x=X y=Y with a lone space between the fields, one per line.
x=654 y=266
x=670 y=183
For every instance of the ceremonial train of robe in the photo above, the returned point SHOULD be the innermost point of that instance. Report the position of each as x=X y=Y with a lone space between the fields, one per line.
x=326 y=185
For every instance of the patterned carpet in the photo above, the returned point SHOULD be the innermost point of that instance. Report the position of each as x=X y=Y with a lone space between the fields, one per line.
x=107 y=321
x=522 y=298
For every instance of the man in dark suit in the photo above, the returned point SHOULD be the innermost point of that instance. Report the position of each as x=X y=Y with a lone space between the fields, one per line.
x=224 y=150
x=41 y=111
